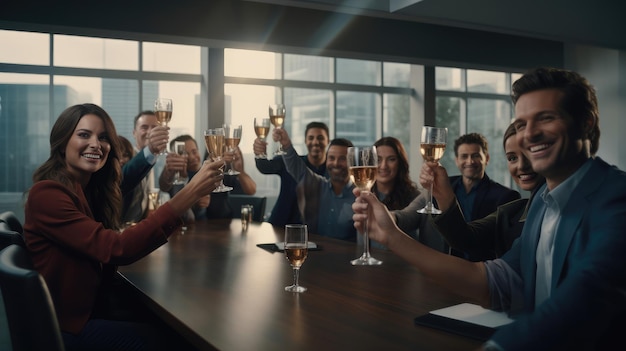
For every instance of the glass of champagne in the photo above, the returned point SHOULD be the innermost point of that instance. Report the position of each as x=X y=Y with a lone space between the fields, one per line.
x=163 y=111
x=432 y=147
x=363 y=166
x=296 y=250
x=179 y=148
x=277 y=117
x=261 y=128
x=214 y=140
x=232 y=137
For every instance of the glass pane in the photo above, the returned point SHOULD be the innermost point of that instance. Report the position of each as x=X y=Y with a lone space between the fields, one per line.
x=357 y=114
x=185 y=102
x=70 y=90
x=118 y=97
x=172 y=58
x=396 y=118
x=24 y=48
x=491 y=118
x=449 y=114
x=243 y=104
x=305 y=106
x=75 y=51
x=449 y=79
x=487 y=82
x=359 y=72
x=308 y=68
x=25 y=125
x=252 y=64
x=396 y=74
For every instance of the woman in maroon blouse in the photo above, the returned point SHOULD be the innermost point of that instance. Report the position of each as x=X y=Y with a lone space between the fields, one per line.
x=72 y=222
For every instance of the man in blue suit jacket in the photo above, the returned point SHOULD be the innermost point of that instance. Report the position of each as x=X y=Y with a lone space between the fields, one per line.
x=477 y=195
x=564 y=279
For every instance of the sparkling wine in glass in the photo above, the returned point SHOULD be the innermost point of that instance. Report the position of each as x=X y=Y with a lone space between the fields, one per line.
x=163 y=111
x=432 y=147
x=363 y=166
x=296 y=250
x=214 y=140
x=262 y=129
x=277 y=117
x=232 y=137
x=179 y=148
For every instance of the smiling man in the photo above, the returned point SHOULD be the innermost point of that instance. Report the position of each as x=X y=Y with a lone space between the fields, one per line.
x=325 y=204
x=286 y=208
x=477 y=194
x=564 y=278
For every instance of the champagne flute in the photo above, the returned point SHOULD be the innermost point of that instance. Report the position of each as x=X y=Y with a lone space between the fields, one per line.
x=432 y=147
x=232 y=137
x=296 y=250
x=363 y=165
x=153 y=195
x=179 y=148
x=163 y=111
x=261 y=128
x=277 y=117
x=214 y=140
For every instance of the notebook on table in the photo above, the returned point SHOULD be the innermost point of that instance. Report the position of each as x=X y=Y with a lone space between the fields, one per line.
x=465 y=319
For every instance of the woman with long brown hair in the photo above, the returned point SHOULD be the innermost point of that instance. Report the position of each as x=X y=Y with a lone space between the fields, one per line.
x=393 y=186
x=72 y=222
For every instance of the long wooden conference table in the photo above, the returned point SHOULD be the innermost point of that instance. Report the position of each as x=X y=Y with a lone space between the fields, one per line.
x=216 y=288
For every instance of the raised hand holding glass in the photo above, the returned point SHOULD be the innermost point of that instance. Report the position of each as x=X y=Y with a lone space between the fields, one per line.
x=432 y=147
x=163 y=110
x=363 y=166
x=214 y=140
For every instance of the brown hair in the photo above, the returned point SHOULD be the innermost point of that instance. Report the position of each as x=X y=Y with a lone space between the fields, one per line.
x=103 y=189
x=404 y=190
x=579 y=101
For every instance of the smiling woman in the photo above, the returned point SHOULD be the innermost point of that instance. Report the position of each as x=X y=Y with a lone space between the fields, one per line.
x=71 y=228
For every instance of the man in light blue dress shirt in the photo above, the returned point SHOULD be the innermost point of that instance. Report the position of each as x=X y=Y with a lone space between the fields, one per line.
x=564 y=278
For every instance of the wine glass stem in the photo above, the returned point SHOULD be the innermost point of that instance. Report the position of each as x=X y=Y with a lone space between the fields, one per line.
x=280 y=146
x=430 y=198
x=366 y=238
x=296 y=275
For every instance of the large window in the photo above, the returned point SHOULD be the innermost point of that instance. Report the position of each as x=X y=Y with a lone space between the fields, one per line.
x=360 y=100
x=475 y=101
x=41 y=74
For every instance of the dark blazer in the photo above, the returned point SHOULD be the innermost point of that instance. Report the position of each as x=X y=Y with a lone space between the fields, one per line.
x=69 y=248
x=133 y=172
x=489 y=195
x=286 y=207
x=488 y=237
x=485 y=238
x=587 y=306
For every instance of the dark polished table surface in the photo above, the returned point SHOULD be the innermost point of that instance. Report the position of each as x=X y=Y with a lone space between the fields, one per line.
x=220 y=291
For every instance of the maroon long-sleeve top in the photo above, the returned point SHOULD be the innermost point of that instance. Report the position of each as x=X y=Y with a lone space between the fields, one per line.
x=68 y=247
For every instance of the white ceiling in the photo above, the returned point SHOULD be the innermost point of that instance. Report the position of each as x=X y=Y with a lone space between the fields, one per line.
x=597 y=23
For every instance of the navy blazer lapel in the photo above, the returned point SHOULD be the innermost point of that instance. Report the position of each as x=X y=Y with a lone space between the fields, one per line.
x=530 y=239
x=571 y=217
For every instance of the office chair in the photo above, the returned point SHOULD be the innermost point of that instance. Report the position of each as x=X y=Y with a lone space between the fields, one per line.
x=235 y=201
x=8 y=237
x=10 y=220
x=29 y=310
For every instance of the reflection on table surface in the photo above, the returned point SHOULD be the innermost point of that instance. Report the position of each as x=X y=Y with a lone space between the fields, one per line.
x=219 y=290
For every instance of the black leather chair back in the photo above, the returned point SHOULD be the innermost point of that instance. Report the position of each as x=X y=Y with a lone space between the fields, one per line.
x=235 y=201
x=10 y=220
x=8 y=237
x=30 y=313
